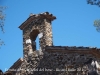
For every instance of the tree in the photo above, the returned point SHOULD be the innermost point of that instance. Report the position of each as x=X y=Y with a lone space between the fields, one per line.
x=94 y=2
x=2 y=19
x=97 y=25
x=96 y=22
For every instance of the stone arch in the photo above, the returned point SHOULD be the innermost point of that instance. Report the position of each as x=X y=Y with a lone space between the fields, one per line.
x=34 y=34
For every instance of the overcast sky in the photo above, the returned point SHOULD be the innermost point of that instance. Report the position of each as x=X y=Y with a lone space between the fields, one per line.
x=73 y=26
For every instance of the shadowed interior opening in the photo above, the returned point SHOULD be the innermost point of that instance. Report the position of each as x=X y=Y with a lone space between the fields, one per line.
x=34 y=38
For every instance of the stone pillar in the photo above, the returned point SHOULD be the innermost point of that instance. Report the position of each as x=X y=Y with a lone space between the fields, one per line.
x=46 y=39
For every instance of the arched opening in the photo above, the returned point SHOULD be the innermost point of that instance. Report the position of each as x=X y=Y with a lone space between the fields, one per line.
x=34 y=38
x=37 y=43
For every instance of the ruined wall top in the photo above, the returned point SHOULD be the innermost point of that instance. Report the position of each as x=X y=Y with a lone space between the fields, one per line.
x=73 y=49
x=45 y=15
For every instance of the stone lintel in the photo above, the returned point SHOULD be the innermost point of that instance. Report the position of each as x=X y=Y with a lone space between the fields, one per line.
x=32 y=17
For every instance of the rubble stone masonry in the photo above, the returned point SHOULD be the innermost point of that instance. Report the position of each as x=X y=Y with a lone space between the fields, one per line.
x=52 y=60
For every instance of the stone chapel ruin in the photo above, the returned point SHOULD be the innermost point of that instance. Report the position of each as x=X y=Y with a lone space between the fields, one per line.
x=50 y=59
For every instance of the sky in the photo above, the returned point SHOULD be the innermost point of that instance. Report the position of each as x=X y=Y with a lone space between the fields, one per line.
x=73 y=26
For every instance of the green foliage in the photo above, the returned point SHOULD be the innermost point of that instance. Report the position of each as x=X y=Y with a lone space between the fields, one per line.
x=96 y=22
x=94 y=2
x=2 y=19
x=97 y=25
x=1 y=42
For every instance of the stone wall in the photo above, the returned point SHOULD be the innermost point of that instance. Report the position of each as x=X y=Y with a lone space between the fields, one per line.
x=44 y=62
x=57 y=63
